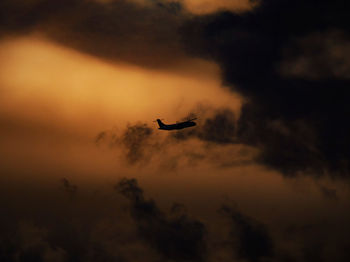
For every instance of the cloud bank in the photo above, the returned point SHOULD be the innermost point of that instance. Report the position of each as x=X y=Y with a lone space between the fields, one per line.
x=297 y=109
x=288 y=58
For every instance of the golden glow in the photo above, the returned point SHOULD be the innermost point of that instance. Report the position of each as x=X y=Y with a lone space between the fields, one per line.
x=209 y=6
x=49 y=80
x=55 y=100
x=201 y=7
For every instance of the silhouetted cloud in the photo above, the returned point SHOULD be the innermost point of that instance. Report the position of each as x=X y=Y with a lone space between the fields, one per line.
x=219 y=127
x=289 y=58
x=250 y=239
x=135 y=138
x=213 y=140
x=289 y=146
x=145 y=34
x=179 y=238
x=320 y=55
x=329 y=193
x=26 y=241
x=69 y=188
x=40 y=225
x=251 y=48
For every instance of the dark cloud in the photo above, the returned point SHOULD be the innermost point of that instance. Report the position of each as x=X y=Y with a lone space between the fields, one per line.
x=137 y=142
x=288 y=146
x=311 y=243
x=178 y=238
x=213 y=140
x=145 y=34
x=69 y=188
x=25 y=241
x=288 y=58
x=250 y=49
x=108 y=137
x=39 y=224
x=93 y=228
x=135 y=139
x=250 y=239
x=218 y=127
x=329 y=193
x=320 y=55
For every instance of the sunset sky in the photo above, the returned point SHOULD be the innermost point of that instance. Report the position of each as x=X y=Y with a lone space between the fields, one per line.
x=86 y=175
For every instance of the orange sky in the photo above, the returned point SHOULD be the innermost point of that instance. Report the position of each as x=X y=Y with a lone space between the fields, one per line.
x=77 y=87
x=56 y=100
x=206 y=6
x=81 y=83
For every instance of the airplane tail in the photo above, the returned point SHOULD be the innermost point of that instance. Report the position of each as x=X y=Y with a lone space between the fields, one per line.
x=160 y=123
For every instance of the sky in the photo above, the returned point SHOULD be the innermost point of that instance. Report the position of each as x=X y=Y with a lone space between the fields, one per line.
x=86 y=175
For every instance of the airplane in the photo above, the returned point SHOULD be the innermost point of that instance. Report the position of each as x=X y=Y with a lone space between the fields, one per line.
x=177 y=126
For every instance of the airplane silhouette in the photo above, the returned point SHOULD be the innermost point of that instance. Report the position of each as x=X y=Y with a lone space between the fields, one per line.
x=177 y=126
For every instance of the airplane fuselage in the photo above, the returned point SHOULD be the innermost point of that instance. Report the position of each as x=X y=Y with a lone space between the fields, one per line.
x=176 y=126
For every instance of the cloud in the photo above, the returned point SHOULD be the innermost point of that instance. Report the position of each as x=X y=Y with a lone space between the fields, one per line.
x=207 y=6
x=141 y=32
x=251 y=47
x=329 y=193
x=199 y=7
x=181 y=238
x=101 y=225
x=95 y=228
x=69 y=188
x=267 y=54
x=288 y=146
x=250 y=239
x=318 y=56
x=35 y=247
x=30 y=243
x=137 y=142
x=218 y=127
x=135 y=139
x=116 y=30
x=212 y=141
